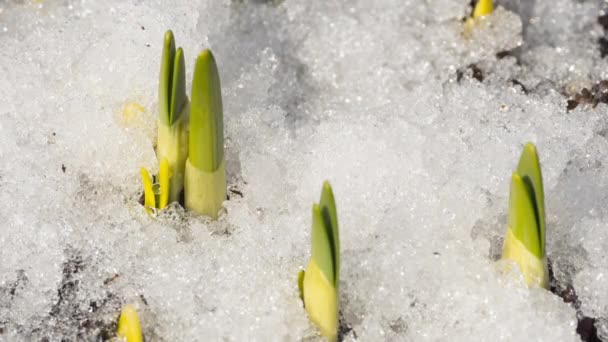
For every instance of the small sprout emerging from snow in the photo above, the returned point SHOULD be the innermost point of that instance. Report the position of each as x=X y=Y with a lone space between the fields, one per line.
x=128 y=325
x=319 y=284
x=193 y=161
x=156 y=195
x=172 y=141
x=483 y=8
x=205 y=176
x=525 y=239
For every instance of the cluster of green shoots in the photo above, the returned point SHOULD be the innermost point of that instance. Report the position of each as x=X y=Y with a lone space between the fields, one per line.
x=190 y=145
x=191 y=161
x=524 y=244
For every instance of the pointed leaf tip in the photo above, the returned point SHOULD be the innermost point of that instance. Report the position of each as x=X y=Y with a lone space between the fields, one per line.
x=178 y=86
x=169 y=40
x=206 y=115
x=166 y=77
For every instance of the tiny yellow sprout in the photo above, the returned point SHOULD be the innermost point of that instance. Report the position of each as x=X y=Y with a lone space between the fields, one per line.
x=156 y=195
x=129 y=328
x=482 y=8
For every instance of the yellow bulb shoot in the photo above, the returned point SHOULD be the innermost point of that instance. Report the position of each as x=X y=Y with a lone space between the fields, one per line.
x=525 y=239
x=319 y=283
x=321 y=301
x=128 y=325
x=482 y=8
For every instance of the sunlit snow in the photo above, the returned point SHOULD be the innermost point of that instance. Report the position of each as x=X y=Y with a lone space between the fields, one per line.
x=416 y=123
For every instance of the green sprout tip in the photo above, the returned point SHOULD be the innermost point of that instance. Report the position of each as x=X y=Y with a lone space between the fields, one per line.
x=319 y=283
x=525 y=240
x=173 y=107
x=205 y=182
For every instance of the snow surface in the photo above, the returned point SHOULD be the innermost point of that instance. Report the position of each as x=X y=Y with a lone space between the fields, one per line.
x=380 y=97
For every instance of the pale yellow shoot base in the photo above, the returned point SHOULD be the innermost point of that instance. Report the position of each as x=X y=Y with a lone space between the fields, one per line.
x=534 y=270
x=205 y=191
x=128 y=325
x=172 y=144
x=320 y=301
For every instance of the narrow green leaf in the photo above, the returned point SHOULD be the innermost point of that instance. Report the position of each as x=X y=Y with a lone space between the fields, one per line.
x=206 y=115
x=166 y=76
x=322 y=245
x=178 y=86
x=330 y=218
x=529 y=170
x=522 y=216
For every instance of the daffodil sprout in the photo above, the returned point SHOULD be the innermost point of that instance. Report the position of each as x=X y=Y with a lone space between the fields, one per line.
x=319 y=283
x=205 y=176
x=173 y=106
x=129 y=329
x=156 y=195
x=481 y=9
x=525 y=239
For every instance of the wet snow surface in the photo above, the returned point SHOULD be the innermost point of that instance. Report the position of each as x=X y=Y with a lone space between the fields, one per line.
x=417 y=125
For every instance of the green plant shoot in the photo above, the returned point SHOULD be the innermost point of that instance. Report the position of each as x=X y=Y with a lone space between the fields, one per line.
x=205 y=182
x=156 y=195
x=319 y=283
x=173 y=106
x=525 y=239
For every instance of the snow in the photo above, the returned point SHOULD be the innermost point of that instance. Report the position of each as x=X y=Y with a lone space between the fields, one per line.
x=382 y=98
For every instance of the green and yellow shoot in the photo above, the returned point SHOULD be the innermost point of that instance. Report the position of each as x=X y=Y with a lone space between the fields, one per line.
x=525 y=239
x=172 y=142
x=205 y=175
x=156 y=195
x=319 y=283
